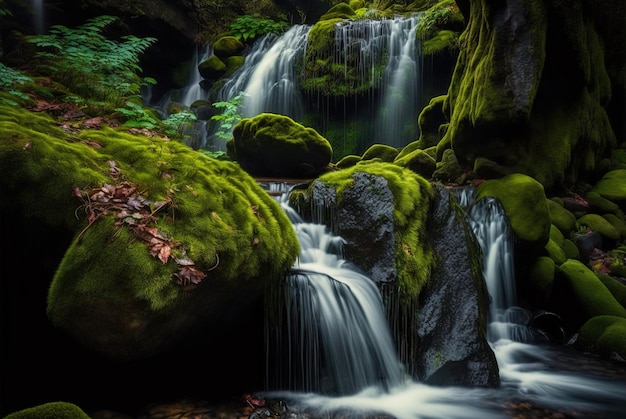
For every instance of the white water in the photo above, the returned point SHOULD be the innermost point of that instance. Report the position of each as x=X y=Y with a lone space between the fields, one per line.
x=39 y=17
x=529 y=373
x=192 y=90
x=270 y=79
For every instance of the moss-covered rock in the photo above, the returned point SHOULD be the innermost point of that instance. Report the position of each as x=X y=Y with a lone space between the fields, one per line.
x=411 y=196
x=212 y=68
x=603 y=335
x=617 y=288
x=384 y=152
x=599 y=204
x=233 y=63
x=618 y=223
x=581 y=295
x=612 y=186
x=338 y=11
x=276 y=145
x=448 y=169
x=348 y=161
x=429 y=121
x=52 y=410
x=598 y=223
x=227 y=46
x=159 y=229
x=418 y=161
x=555 y=252
x=570 y=249
x=561 y=217
x=524 y=202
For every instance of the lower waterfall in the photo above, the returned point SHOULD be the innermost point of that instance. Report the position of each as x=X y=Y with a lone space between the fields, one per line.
x=338 y=360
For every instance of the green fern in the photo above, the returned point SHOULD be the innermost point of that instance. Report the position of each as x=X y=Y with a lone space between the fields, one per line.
x=229 y=117
x=94 y=66
x=10 y=80
x=249 y=27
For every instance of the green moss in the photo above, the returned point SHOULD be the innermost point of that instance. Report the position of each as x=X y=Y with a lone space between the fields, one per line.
x=412 y=196
x=598 y=223
x=604 y=335
x=430 y=120
x=338 y=11
x=418 y=161
x=599 y=204
x=52 y=410
x=383 y=152
x=561 y=217
x=276 y=145
x=215 y=211
x=441 y=41
x=617 y=288
x=555 y=252
x=525 y=204
x=212 y=68
x=591 y=297
x=612 y=186
x=227 y=46
x=348 y=161
x=556 y=235
x=618 y=223
x=570 y=249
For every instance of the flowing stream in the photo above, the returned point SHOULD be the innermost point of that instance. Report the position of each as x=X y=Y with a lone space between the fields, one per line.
x=342 y=362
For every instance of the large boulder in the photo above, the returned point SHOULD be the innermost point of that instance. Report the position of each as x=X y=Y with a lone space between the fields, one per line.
x=454 y=305
x=166 y=240
x=277 y=146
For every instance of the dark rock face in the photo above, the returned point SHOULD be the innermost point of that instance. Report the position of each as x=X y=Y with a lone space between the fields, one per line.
x=453 y=307
x=368 y=203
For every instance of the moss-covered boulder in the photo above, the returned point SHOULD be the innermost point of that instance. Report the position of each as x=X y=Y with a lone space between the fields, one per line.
x=418 y=161
x=561 y=217
x=580 y=295
x=52 y=410
x=605 y=335
x=277 y=146
x=448 y=169
x=612 y=186
x=430 y=120
x=348 y=161
x=524 y=202
x=384 y=152
x=600 y=224
x=227 y=46
x=212 y=68
x=165 y=239
x=338 y=11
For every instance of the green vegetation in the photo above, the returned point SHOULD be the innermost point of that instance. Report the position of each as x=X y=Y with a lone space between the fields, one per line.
x=10 y=80
x=229 y=117
x=94 y=66
x=250 y=27
x=52 y=410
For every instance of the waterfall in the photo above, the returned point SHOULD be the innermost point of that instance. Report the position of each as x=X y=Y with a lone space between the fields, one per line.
x=268 y=76
x=192 y=90
x=334 y=369
x=337 y=339
x=384 y=54
x=39 y=16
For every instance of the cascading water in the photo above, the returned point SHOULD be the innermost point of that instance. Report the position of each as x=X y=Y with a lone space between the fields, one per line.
x=529 y=372
x=39 y=16
x=387 y=56
x=337 y=337
x=268 y=76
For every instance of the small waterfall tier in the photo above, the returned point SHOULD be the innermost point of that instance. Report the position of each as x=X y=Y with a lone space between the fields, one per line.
x=335 y=337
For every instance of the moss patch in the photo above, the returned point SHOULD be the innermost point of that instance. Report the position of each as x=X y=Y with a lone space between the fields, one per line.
x=604 y=335
x=524 y=202
x=52 y=410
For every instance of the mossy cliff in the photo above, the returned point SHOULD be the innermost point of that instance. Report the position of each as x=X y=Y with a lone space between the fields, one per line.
x=159 y=230
x=531 y=88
